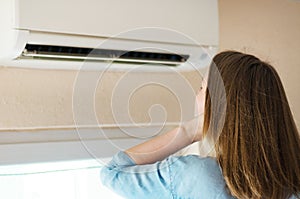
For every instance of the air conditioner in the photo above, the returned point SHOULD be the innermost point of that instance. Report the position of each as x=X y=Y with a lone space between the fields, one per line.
x=65 y=34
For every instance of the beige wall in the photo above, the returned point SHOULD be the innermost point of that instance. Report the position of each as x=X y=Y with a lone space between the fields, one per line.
x=269 y=29
x=42 y=99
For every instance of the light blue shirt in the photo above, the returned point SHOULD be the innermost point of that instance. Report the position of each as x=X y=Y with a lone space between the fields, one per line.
x=185 y=177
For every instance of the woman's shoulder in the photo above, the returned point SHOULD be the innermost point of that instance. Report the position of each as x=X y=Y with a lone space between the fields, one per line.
x=195 y=162
x=195 y=165
x=196 y=175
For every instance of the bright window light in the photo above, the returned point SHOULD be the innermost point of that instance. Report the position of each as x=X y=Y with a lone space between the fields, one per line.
x=74 y=180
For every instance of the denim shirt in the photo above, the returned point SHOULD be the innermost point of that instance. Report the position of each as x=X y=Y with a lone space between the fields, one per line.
x=186 y=177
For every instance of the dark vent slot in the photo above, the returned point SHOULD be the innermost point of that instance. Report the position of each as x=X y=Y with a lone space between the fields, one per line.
x=66 y=52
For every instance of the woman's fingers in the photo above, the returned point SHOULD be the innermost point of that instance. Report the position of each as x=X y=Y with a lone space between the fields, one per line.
x=193 y=128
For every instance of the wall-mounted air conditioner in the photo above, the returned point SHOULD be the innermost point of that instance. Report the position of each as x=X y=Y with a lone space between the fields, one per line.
x=64 y=34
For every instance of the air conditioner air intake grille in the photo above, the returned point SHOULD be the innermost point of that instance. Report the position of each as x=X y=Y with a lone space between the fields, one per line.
x=75 y=53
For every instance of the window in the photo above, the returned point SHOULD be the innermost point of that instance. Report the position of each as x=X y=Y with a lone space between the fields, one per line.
x=33 y=168
x=72 y=179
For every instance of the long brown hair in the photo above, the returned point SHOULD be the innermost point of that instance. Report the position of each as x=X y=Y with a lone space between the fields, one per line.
x=258 y=148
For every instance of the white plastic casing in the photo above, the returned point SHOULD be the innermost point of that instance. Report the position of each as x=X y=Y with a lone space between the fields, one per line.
x=184 y=27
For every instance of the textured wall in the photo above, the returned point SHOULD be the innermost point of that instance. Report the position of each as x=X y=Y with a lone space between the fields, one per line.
x=269 y=29
x=43 y=98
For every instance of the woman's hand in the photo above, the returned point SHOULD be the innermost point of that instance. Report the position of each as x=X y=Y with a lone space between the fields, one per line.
x=160 y=147
x=194 y=128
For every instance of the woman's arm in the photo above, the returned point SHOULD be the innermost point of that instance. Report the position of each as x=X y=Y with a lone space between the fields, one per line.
x=166 y=144
x=154 y=179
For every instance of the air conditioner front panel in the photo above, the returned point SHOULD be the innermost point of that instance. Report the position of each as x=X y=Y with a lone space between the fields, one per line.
x=197 y=19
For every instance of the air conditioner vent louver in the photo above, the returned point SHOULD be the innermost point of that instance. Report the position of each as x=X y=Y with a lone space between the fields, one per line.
x=75 y=53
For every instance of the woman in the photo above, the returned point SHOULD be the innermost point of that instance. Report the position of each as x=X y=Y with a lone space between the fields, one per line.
x=255 y=140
